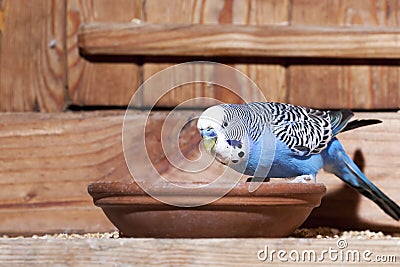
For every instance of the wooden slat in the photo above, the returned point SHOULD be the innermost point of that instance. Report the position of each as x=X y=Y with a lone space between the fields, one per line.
x=101 y=83
x=195 y=12
x=32 y=55
x=336 y=86
x=269 y=77
x=236 y=40
x=193 y=252
x=47 y=161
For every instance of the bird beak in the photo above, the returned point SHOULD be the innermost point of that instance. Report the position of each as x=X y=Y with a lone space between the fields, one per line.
x=209 y=143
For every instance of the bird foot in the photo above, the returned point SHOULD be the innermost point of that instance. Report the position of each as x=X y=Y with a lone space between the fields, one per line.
x=303 y=179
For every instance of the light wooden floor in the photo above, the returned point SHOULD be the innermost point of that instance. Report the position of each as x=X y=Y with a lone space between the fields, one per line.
x=195 y=252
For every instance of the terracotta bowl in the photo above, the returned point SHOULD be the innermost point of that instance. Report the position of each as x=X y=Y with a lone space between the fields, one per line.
x=273 y=210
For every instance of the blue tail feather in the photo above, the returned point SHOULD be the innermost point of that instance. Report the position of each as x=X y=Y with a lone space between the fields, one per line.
x=338 y=162
x=360 y=182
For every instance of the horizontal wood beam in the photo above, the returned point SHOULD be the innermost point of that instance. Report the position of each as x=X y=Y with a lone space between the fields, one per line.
x=238 y=40
x=47 y=161
x=193 y=252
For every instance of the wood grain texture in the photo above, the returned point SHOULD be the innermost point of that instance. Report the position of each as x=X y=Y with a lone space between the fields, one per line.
x=238 y=40
x=189 y=252
x=32 y=55
x=48 y=160
x=192 y=12
x=104 y=82
x=351 y=86
x=221 y=13
x=269 y=77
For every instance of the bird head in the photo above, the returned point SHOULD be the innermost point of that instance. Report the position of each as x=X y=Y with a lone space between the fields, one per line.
x=224 y=135
x=210 y=127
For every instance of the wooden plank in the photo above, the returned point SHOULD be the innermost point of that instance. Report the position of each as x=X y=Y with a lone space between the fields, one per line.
x=48 y=160
x=194 y=252
x=32 y=55
x=102 y=83
x=237 y=40
x=353 y=86
x=269 y=77
x=195 y=12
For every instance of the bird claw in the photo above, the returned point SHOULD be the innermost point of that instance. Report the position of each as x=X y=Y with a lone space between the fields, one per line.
x=303 y=179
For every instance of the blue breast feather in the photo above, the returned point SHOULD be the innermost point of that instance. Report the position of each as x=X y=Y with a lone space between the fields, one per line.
x=285 y=163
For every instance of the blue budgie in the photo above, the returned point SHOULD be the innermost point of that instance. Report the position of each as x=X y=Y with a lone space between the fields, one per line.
x=266 y=139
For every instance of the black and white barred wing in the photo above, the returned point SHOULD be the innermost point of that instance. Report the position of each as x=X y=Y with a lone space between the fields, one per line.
x=305 y=131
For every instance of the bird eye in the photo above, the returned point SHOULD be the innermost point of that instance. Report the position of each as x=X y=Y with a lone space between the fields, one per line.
x=225 y=124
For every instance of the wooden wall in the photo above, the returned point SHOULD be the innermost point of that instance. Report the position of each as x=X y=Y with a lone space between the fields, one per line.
x=33 y=72
x=62 y=61
x=49 y=74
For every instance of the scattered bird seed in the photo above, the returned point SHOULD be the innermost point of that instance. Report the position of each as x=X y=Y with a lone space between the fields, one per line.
x=333 y=233
x=319 y=233
x=109 y=235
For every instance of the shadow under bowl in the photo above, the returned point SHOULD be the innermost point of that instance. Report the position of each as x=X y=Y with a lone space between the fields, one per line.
x=273 y=210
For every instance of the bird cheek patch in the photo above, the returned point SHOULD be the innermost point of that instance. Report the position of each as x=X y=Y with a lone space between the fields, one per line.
x=234 y=143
